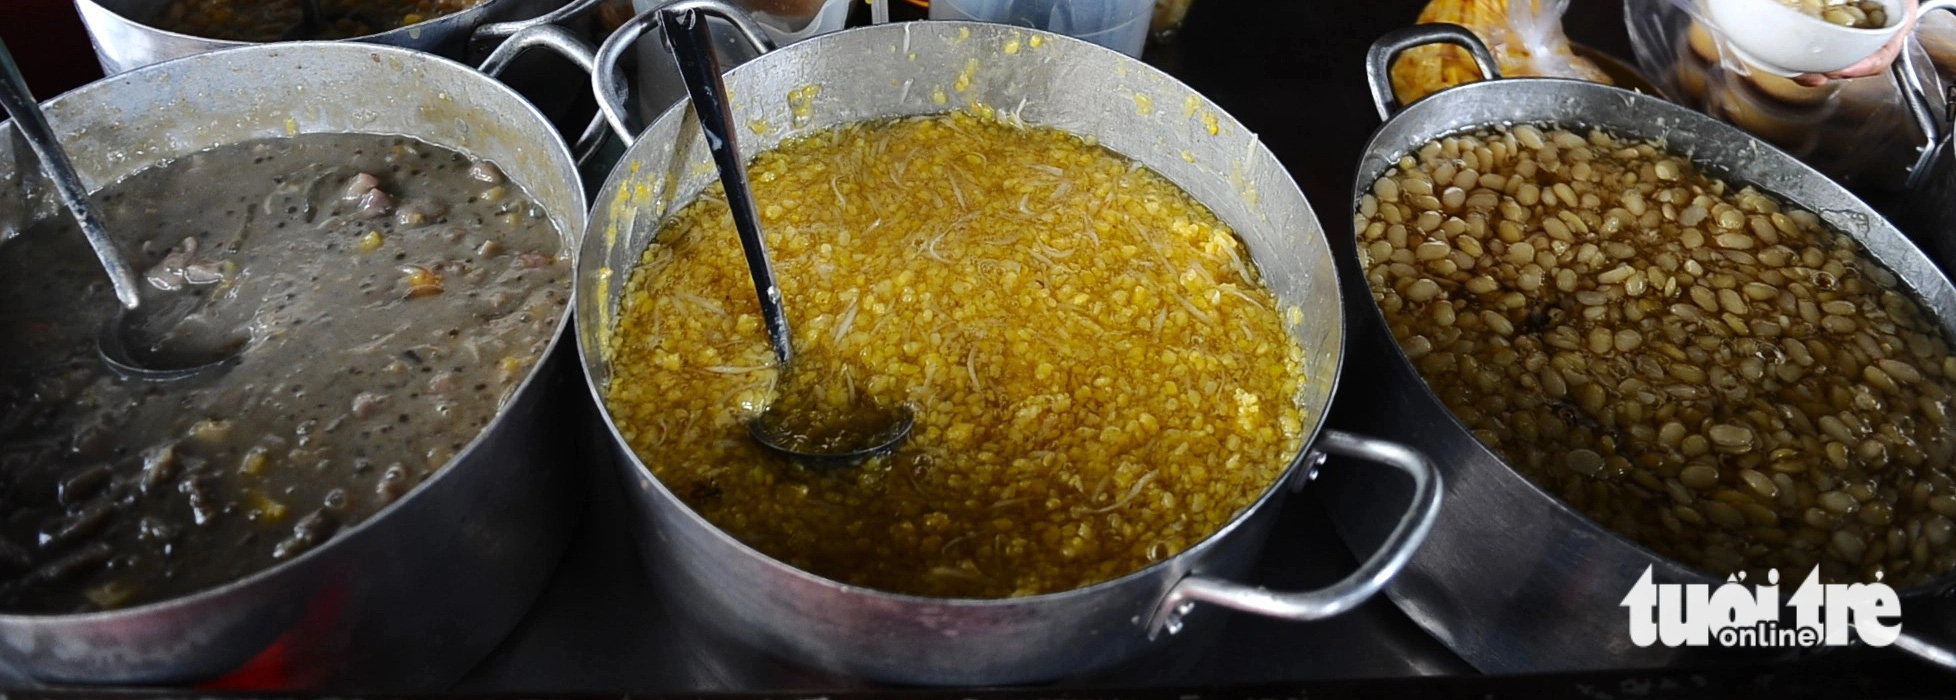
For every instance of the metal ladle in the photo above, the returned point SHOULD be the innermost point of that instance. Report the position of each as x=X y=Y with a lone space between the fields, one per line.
x=866 y=432
x=113 y=344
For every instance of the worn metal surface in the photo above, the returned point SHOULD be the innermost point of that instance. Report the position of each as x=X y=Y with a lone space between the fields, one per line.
x=1513 y=579
x=1042 y=79
x=606 y=626
x=124 y=42
x=414 y=596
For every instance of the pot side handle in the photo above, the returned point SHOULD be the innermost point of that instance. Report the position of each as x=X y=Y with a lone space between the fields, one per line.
x=500 y=30
x=1923 y=648
x=607 y=81
x=1355 y=588
x=1935 y=133
x=1378 y=59
x=565 y=43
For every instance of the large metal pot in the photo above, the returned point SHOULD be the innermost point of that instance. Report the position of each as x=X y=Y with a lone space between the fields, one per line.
x=415 y=595
x=1512 y=578
x=895 y=70
x=123 y=41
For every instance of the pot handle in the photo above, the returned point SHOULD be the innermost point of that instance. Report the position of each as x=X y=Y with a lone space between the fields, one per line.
x=548 y=36
x=608 y=81
x=1355 y=588
x=1935 y=132
x=1378 y=60
x=564 y=43
x=1923 y=648
x=500 y=30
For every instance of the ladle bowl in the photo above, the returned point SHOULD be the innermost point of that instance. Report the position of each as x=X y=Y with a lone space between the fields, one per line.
x=113 y=343
x=121 y=346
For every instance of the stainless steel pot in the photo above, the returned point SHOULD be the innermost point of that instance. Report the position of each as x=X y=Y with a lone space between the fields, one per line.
x=913 y=69
x=414 y=596
x=1513 y=579
x=123 y=41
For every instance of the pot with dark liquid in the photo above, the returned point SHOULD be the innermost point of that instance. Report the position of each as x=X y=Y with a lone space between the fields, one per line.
x=416 y=591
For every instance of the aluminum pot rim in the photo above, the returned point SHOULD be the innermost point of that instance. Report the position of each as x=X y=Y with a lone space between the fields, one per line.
x=263 y=576
x=1692 y=120
x=1290 y=472
x=470 y=17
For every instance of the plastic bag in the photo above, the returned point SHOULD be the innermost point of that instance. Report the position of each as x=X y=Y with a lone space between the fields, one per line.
x=1525 y=36
x=1859 y=132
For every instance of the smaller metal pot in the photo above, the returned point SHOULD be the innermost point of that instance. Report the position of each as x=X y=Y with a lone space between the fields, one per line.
x=1068 y=84
x=124 y=42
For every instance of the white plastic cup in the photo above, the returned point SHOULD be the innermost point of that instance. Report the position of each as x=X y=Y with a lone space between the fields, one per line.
x=1121 y=25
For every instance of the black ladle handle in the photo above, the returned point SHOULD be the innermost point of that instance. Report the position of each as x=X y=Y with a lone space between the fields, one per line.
x=33 y=125
x=692 y=48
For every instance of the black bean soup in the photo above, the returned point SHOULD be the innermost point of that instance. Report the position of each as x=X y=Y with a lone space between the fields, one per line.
x=388 y=294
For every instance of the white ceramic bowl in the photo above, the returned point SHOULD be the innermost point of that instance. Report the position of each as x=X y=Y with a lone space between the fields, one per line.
x=1782 y=40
